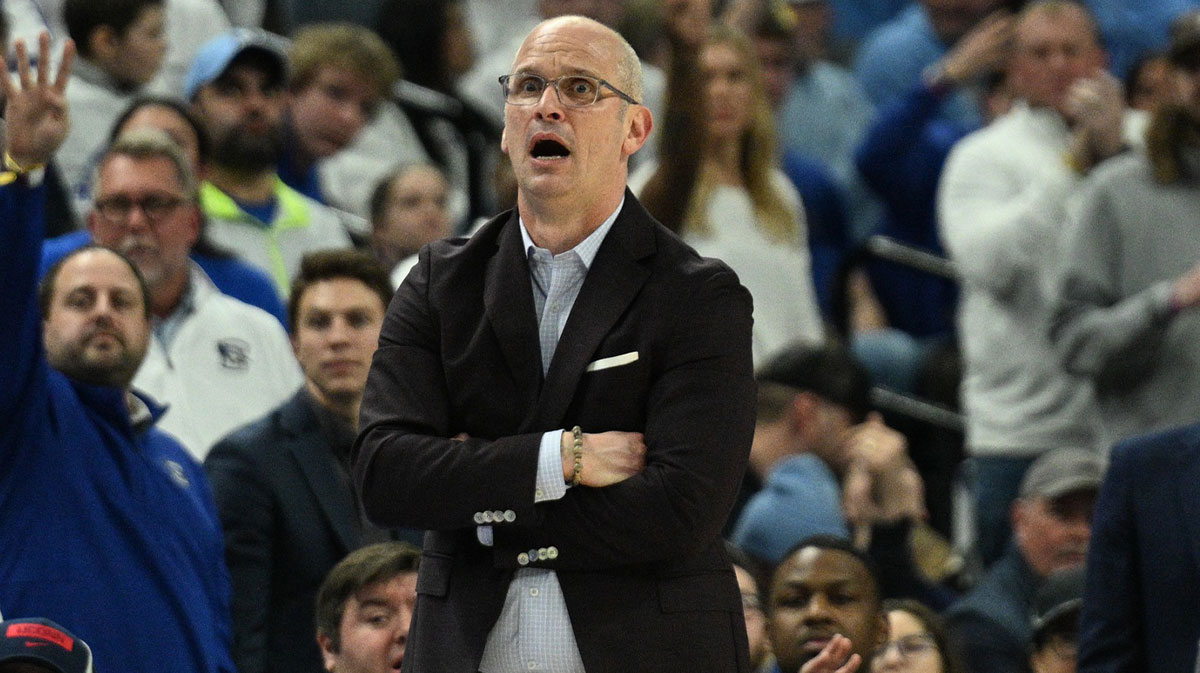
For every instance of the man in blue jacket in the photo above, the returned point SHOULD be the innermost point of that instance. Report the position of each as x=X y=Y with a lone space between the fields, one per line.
x=108 y=526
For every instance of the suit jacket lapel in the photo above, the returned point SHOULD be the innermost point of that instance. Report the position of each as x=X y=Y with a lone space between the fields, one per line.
x=320 y=470
x=508 y=303
x=614 y=279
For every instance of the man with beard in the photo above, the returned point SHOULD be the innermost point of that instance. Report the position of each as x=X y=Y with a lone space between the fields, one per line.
x=1126 y=315
x=825 y=609
x=236 y=87
x=1051 y=522
x=217 y=363
x=108 y=527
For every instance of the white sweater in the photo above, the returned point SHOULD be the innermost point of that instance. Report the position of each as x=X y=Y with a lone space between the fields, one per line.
x=229 y=363
x=1002 y=204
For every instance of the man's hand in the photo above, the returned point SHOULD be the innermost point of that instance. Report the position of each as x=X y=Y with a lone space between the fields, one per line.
x=835 y=657
x=881 y=484
x=984 y=48
x=1095 y=106
x=608 y=457
x=36 y=110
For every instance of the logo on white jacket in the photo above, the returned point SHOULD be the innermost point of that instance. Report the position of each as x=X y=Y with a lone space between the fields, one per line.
x=234 y=354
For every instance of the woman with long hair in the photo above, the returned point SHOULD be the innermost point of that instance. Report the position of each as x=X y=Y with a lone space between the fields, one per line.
x=719 y=186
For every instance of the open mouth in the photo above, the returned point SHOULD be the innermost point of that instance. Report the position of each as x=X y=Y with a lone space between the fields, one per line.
x=548 y=148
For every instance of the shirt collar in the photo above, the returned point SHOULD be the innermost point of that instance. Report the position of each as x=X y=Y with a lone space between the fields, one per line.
x=588 y=247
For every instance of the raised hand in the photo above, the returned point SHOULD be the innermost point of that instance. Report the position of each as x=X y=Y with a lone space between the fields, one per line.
x=1096 y=106
x=984 y=48
x=36 y=109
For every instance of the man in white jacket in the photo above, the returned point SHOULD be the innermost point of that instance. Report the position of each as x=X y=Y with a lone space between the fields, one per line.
x=1002 y=204
x=216 y=362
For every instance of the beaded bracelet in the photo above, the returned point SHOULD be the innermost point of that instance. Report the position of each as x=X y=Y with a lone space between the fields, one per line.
x=577 y=450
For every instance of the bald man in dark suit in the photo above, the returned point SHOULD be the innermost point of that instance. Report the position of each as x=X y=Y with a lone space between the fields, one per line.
x=566 y=401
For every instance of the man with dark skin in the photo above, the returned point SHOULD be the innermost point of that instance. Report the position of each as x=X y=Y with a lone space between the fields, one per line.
x=825 y=612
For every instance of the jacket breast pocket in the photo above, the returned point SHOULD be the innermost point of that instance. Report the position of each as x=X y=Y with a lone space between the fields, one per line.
x=616 y=391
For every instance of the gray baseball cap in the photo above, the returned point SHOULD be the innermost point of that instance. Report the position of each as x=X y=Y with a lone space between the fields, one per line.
x=1063 y=471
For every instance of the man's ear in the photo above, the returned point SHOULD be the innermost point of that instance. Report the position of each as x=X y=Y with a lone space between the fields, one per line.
x=803 y=411
x=328 y=655
x=91 y=223
x=103 y=43
x=882 y=631
x=640 y=124
x=194 y=226
x=1018 y=516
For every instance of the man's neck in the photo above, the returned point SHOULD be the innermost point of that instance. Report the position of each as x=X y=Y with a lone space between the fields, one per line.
x=253 y=186
x=559 y=225
x=345 y=408
x=771 y=447
x=166 y=297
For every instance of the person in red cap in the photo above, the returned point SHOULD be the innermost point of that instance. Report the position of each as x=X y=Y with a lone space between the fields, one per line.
x=41 y=646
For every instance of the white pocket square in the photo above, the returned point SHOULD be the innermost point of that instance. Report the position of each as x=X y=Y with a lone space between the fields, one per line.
x=614 y=361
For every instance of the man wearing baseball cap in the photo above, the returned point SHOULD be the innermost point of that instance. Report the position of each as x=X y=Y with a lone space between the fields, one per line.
x=1055 y=622
x=41 y=646
x=236 y=86
x=1051 y=522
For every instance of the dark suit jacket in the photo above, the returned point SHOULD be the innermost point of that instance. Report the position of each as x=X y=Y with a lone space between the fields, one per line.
x=289 y=517
x=641 y=564
x=1141 y=609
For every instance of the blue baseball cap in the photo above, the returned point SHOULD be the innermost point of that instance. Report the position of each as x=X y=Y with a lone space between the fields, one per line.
x=213 y=58
x=42 y=642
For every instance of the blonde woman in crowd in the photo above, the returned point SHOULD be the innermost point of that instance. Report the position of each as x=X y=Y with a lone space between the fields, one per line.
x=718 y=184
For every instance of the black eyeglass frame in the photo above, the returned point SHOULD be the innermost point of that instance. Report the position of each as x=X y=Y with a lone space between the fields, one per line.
x=155 y=207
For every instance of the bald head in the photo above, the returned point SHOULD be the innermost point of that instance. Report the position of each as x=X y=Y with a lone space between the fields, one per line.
x=628 y=66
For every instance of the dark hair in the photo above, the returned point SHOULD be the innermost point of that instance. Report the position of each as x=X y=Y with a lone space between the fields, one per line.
x=834 y=543
x=757 y=571
x=46 y=286
x=827 y=370
x=415 y=30
x=83 y=17
x=360 y=569
x=338 y=263
x=935 y=625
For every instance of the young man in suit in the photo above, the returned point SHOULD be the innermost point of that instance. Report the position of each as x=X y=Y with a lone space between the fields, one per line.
x=282 y=483
x=566 y=402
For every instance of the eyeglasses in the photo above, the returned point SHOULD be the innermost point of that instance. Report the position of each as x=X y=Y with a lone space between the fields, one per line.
x=909 y=646
x=524 y=88
x=156 y=207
